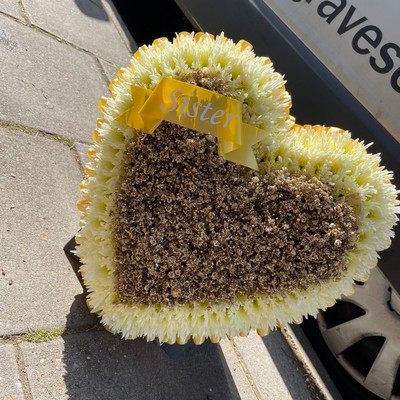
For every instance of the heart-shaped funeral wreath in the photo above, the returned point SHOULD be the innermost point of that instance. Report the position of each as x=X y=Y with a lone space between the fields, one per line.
x=208 y=212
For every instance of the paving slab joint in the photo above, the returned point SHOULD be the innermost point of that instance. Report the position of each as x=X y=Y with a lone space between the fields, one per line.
x=102 y=71
x=246 y=371
x=23 y=377
x=24 y=13
x=63 y=139
x=59 y=39
x=28 y=23
x=78 y=159
x=48 y=334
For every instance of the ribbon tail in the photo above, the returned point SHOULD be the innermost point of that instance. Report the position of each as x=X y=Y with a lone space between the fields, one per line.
x=243 y=156
x=133 y=118
x=149 y=124
x=126 y=117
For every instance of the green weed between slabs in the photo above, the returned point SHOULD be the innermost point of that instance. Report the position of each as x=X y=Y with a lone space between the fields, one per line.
x=66 y=140
x=44 y=335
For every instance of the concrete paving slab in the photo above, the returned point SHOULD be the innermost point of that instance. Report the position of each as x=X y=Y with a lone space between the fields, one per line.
x=10 y=385
x=85 y=23
x=272 y=367
x=39 y=181
x=46 y=84
x=101 y=366
x=10 y=7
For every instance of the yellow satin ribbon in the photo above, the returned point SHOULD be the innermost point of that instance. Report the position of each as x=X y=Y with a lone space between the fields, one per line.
x=199 y=109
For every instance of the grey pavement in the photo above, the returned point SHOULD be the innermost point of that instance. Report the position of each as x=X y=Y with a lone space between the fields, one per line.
x=57 y=58
x=99 y=366
x=38 y=186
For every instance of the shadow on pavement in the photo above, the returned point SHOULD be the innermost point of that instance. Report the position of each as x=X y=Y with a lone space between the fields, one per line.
x=102 y=366
x=92 y=8
x=152 y=20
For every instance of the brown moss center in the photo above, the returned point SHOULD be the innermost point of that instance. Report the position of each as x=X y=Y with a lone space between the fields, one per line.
x=191 y=227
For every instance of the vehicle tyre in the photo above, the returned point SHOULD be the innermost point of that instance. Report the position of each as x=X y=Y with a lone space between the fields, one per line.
x=358 y=340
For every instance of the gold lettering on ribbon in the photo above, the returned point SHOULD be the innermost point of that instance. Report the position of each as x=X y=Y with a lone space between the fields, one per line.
x=199 y=109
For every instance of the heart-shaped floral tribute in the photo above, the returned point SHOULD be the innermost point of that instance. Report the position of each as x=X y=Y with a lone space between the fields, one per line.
x=179 y=239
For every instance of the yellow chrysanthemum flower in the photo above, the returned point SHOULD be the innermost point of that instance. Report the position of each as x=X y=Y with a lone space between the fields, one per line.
x=176 y=242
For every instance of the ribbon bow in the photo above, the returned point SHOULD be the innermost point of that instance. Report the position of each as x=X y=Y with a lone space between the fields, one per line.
x=199 y=109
